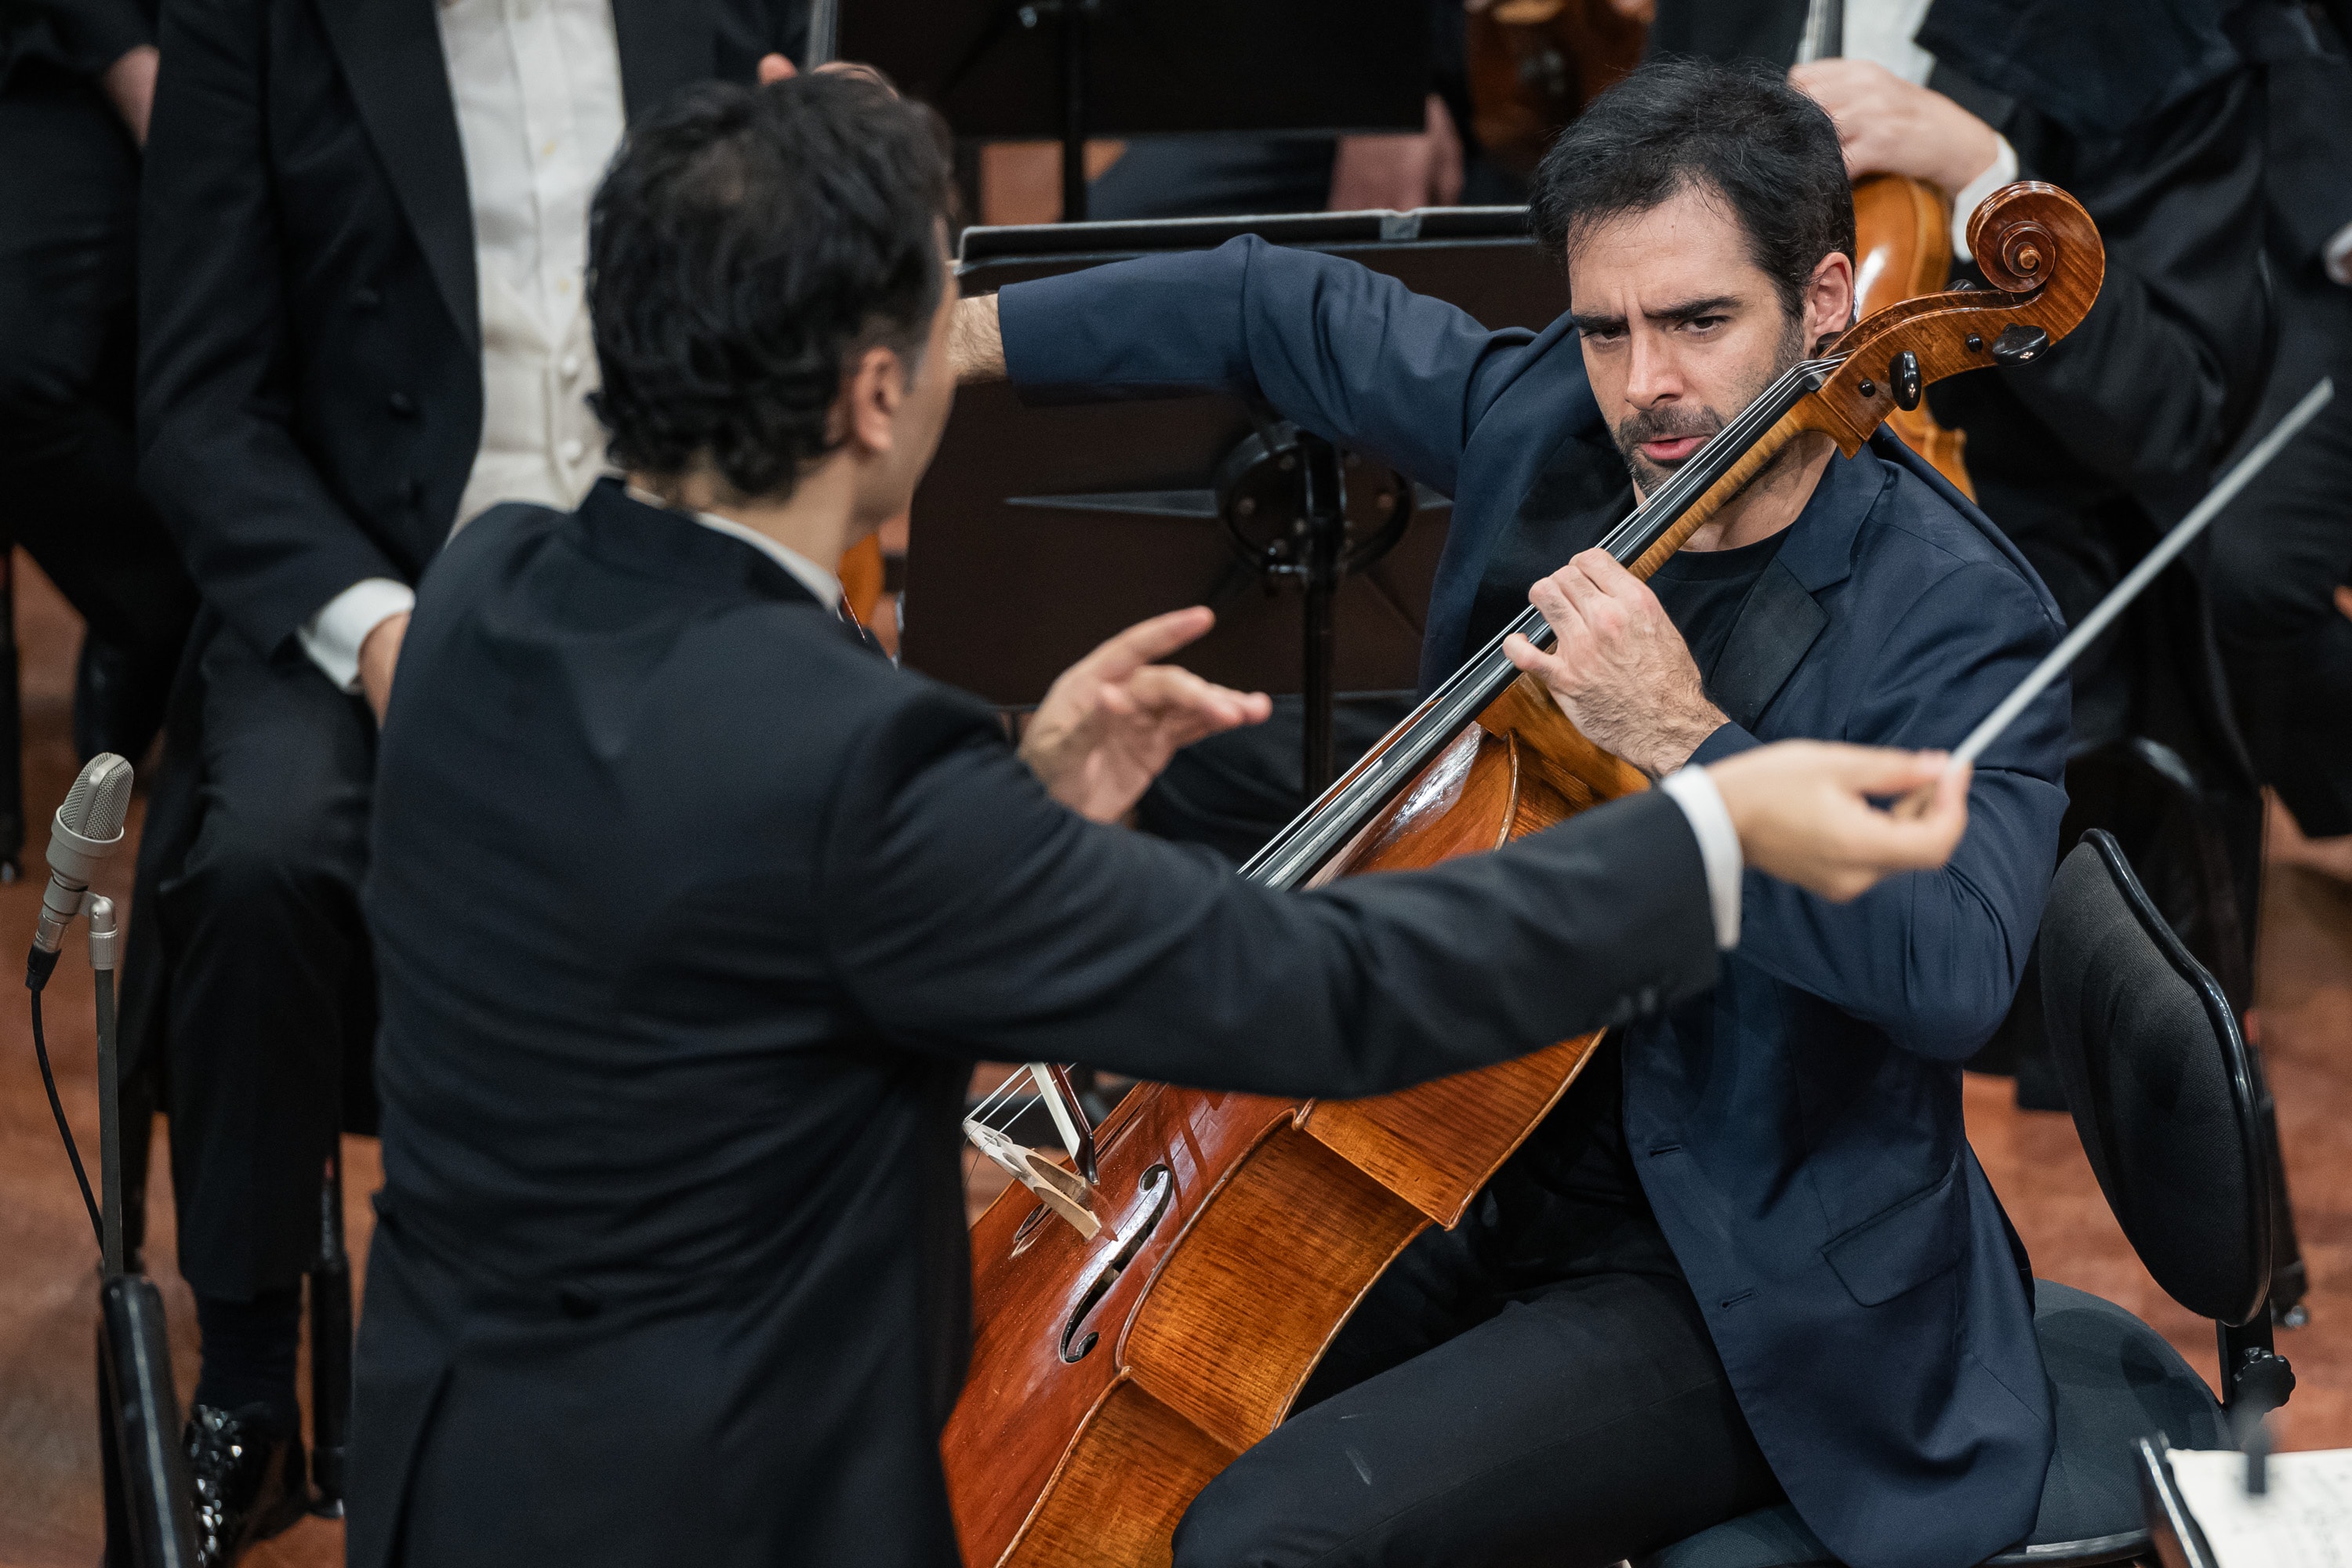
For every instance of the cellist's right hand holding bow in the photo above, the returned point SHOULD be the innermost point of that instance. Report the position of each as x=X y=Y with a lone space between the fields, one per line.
x=1807 y=812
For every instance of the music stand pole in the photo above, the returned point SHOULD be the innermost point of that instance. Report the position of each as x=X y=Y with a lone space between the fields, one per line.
x=1075 y=15
x=1327 y=534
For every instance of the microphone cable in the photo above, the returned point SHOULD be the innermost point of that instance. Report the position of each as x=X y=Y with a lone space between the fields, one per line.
x=56 y=1109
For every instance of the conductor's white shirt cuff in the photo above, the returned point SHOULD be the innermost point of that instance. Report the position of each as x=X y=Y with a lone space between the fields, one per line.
x=333 y=636
x=1719 y=846
x=1998 y=173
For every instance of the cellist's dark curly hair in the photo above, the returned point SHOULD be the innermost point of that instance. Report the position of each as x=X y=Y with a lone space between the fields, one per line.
x=1740 y=131
x=744 y=245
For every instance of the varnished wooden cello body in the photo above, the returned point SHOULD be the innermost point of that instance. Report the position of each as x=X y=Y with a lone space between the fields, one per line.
x=1533 y=65
x=1902 y=249
x=1114 y=1374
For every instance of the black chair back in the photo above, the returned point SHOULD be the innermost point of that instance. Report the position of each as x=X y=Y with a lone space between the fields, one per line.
x=2164 y=1092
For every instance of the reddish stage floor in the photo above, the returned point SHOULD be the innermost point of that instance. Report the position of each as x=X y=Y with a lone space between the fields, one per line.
x=49 y=1429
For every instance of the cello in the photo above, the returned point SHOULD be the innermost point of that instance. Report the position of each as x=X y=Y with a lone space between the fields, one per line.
x=1143 y=1317
x=1533 y=65
x=1902 y=249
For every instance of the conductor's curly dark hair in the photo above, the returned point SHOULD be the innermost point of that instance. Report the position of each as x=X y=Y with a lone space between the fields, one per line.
x=744 y=245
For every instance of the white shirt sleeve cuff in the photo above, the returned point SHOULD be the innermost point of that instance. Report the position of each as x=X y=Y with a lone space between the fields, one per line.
x=1998 y=173
x=333 y=636
x=2338 y=255
x=1719 y=846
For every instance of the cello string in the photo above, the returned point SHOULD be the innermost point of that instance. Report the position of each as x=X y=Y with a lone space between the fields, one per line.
x=1346 y=804
x=1309 y=838
x=997 y=1099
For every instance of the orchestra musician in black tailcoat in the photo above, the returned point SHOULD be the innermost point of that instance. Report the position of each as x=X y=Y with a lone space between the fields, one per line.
x=76 y=86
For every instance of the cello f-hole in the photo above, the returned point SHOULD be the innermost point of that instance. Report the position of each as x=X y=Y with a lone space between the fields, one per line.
x=1156 y=1189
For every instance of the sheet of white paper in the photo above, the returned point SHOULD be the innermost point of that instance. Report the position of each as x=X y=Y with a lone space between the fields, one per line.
x=2304 y=1521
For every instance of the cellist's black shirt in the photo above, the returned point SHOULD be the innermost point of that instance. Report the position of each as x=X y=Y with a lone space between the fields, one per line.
x=1569 y=1202
x=1572 y=507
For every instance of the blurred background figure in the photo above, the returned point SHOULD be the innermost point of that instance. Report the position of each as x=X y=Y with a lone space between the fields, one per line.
x=2280 y=567
x=77 y=80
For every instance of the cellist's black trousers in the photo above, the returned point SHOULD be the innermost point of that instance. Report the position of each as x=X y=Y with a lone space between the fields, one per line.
x=1537 y=1386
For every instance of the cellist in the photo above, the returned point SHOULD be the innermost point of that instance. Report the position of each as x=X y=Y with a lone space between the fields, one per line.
x=1749 y=1255
x=2086 y=455
x=693 y=912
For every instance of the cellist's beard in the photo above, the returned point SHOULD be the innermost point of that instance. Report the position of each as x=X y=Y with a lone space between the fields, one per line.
x=1683 y=419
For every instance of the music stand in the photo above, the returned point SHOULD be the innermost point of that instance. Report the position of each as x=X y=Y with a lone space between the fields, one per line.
x=1040 y=531
x=1076 y=68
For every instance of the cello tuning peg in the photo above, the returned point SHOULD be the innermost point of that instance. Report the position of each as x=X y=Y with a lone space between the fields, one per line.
x=1903 y=379
x=2018 y=344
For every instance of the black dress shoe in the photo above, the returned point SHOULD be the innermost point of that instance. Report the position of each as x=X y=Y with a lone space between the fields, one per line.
x=249 y=1480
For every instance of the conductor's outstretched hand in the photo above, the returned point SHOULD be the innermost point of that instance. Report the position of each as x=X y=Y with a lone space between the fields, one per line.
x=1805 y=812
x=1112 y=720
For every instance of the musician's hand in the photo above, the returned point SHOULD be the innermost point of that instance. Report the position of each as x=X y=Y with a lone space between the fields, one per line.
x=1887 y=126
x=379 y=658
x=1113 y=720
x=1804 y=812
x=776 y=67
x=129 y=85
x=1620 y=670
x=1399 y=172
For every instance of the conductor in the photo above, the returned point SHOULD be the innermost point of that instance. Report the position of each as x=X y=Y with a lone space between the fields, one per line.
x=692 y=912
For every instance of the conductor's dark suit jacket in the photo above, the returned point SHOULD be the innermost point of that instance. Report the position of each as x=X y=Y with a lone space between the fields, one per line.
x=691 y=914
x=1798 y=1132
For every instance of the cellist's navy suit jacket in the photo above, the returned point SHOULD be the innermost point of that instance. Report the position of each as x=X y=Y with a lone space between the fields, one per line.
x=1798 y=1130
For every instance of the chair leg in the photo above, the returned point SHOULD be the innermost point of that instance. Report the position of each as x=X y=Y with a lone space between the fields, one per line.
x=330 y=1346
x=2290 y=1281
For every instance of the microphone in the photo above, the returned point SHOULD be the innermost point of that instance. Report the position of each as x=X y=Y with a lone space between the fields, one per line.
x=87 y=829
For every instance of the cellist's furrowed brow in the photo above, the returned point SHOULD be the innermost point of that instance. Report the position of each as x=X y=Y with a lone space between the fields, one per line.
x=1673 y=315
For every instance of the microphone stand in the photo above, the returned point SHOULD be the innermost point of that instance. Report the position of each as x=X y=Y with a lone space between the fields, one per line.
x=148 y=1523
x=105 y=950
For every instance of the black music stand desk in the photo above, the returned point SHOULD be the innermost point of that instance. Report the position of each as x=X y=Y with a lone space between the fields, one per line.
x=1039 y=531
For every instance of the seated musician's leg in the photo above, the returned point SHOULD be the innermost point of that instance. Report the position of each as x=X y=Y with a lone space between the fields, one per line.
x=2279 y=565
x=1586 y=1421
x=267 y=959
x=69 y=202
